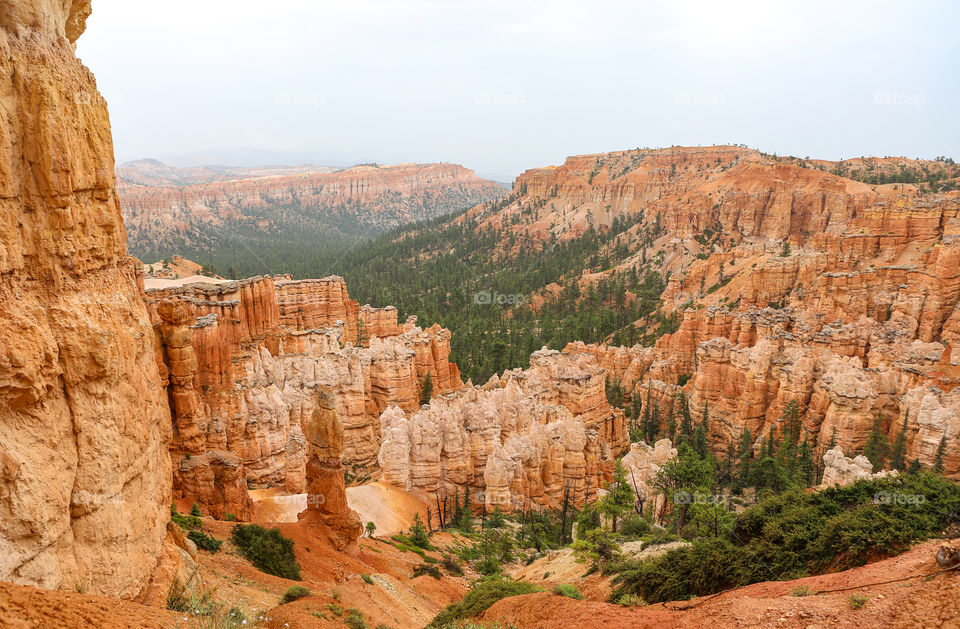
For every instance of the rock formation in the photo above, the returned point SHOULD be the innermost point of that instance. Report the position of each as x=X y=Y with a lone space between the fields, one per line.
x=522 y=439
x=326 y=491
x=245 y=361
x=84 y=423
x=842 y=470
x=790 y=282
x=642 y=463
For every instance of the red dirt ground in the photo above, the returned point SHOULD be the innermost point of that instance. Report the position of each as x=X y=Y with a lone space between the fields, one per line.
x=915 y=603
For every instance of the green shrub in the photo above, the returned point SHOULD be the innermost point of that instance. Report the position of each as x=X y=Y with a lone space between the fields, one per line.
x=629 y=600
x=565 y=589
x=204 y=541
x=294 y=592
x=802 y=590
x=480 y=598
x=229 y=517
x=355 y=619
x=267 y=549
x=452 y=566
x=367 y=579
x=186 y=522
x=857 y=601
x=796 y=534
x=334 y=609
x=426 y=568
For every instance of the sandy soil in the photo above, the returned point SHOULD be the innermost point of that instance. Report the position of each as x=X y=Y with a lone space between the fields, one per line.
x=390 y=508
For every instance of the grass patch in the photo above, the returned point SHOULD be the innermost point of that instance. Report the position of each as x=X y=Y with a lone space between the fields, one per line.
x=857 y=601
x=565 y=589
x=367 y=579
x=355 y=619
x=426 y=568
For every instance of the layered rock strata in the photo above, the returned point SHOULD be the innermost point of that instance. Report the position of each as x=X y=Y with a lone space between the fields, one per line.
x=245 y=361
x=84 y=423
x=524 y=439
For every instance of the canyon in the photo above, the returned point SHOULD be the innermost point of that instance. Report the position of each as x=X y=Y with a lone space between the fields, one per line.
x=200 y=211
x=787 y=282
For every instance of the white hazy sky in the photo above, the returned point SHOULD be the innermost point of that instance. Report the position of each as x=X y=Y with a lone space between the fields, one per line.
x=505 y=86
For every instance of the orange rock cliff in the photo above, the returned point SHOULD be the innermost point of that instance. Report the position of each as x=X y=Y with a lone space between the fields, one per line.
x=84 y=422
x=791 y=281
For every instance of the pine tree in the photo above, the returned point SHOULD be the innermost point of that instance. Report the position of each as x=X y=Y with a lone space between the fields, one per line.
x=898 y=455
x=746 y=457
x=701 y=432
x=805 y=469
x=941 y=450
x=427 y=390
x=915 y=467
x=877 y=446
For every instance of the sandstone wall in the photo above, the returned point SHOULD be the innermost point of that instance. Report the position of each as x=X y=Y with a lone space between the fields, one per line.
x=520 y=440
x=246 y=360
x=84 y=423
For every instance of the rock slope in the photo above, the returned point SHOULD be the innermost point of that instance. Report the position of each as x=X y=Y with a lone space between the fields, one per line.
x=84 y=423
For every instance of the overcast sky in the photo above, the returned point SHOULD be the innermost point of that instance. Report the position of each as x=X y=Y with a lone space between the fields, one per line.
x=505 y=86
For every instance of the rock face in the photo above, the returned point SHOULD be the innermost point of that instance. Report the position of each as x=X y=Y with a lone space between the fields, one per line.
x=642 y=463
x=522 y=439
x=842 y=470
x=246 y=363
x=84 y=423
x=353 y=202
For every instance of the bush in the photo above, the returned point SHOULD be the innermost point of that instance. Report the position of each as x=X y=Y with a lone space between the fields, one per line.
x=796 y=534
x=367 y=579
x=204 y=541
x=857 y=601
x=488 y=566
x=802 y=590
x=334 y=609
x=229 y=517
x=480 y=598
x=452 y=566
x=426 y=568
x=294 y=592
x=355 y=619
x=634 y=527
x=629 y=600
x=565 y=589
x=267 y=549
x=186 y=522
